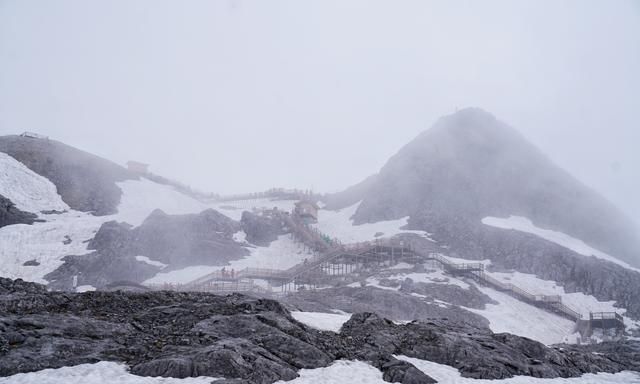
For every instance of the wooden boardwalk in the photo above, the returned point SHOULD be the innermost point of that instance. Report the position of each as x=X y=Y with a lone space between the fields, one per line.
x=332 y=259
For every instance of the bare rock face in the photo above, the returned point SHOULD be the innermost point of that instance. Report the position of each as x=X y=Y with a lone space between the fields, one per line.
x=10 y=214
x=176 y=241
x=85 y=182
x=261 y=230
x=248 y=340
x=391 y=304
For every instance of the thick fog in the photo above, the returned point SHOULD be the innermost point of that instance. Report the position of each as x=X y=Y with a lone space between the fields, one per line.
x=239 y=96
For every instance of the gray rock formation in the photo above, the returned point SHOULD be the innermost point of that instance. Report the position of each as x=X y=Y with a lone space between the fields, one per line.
x=257 y=341
x=84 y=181
x=261 y=230
x=10 y=214
x=175 y=240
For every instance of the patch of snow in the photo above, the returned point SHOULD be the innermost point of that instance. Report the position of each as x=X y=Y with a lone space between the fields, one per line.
x=322 y=321
x=340 y=372
x=141 y=197
x=523 y=224
x=445 y=374
x=338 y=224
x=29 y=191
x=147 y=260
x=85 y=288
x=436 y=276
x=102 y=372
x=240 y=237
x=402 y=265
x=519 y=318
x=283 y=253
x=45 y=243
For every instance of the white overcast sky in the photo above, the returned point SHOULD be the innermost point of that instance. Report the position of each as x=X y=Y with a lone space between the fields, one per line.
x=236 y=95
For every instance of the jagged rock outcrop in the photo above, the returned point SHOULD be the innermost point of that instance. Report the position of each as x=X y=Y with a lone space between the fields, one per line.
x=84 y=181
x=479 y=353
x=177 y=241
x=10 y=214
x=257 y=341
x=260 y=229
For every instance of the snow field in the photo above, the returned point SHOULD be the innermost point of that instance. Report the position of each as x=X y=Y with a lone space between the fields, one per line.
x=338 y=224
x=519 y=318
x=577 y=301
x=340 y=372
x=98 y=373
x=322 y=321
x=29 y=191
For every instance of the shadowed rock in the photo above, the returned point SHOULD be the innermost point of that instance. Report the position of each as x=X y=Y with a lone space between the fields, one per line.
x=257 y=341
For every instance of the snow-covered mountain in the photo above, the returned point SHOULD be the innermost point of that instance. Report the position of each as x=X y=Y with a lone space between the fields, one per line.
x=483 y=192
x=468 y=190
x=470 y=166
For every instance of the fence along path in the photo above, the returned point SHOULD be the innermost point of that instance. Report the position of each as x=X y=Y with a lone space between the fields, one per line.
x=360 y=253
x=327 y=251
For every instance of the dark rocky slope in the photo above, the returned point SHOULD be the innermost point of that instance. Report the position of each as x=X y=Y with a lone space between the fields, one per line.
x=10 y=214
x=175 y=240
x=396 y=305
x=84 y=181
x=469 y=165
x=257 y=341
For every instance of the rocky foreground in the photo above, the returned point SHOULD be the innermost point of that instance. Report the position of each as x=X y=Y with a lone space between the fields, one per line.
x=250 y=340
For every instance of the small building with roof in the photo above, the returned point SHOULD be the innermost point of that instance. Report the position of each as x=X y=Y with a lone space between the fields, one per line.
x=137 y=167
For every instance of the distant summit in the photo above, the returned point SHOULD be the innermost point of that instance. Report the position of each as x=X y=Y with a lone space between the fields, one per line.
x=470 y=165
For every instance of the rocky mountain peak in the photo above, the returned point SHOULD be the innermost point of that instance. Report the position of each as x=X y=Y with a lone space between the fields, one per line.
x=470 y=165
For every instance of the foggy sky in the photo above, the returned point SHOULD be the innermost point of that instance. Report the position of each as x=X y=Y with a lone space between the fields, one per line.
x=238 y=96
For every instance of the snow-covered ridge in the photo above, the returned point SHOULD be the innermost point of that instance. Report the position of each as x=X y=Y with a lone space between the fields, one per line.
x=523 y=224
x=29 y=191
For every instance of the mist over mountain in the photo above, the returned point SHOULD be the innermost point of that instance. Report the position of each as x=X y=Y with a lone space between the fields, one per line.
x=469 y=231
x=469 y=166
